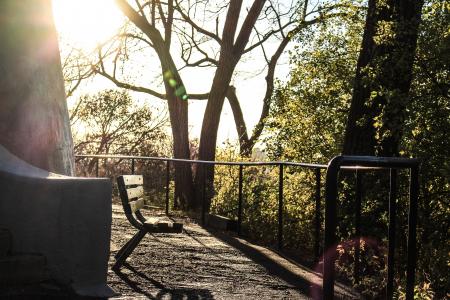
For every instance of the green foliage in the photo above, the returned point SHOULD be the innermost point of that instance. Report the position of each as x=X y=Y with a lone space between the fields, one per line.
x=307 y=119
x=426 y=137
x=422 y=291
x=111 y=122
x=260 y=202
x=307 y=123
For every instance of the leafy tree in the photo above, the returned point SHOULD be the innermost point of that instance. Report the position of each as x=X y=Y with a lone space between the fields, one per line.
x=426 y=137
x=307 y=119
x=383 y=78
x=309 y=114
x=109 y=122
x=218 y=46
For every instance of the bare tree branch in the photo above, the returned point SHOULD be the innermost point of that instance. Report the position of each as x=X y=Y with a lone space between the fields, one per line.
x=168 y=27
x=247 y=26
x=231 y=20
x=128 y=86
x=196 y=26
x=241 y=128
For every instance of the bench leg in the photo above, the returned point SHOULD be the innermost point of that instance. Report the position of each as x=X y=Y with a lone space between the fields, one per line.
x=124 y=247
x=128 y=248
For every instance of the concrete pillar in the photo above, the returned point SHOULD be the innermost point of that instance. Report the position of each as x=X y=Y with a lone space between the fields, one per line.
x=34 y=121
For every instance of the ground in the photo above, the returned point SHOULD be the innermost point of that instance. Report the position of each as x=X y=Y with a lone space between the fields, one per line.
x=196 y=264
x=192 y=265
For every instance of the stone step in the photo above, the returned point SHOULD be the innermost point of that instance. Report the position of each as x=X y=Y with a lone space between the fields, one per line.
x=22 y=269
x=221 y=222
x=5 y=242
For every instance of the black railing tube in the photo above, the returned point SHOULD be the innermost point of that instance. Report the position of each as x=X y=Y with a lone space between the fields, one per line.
x=358 y=199
x=317 y=217
x=223 y=163
x=331 y=215
x=412 y=221
x=167 y=186
x=391 y=233
x=240 y=200
x=330 y=226
x=204 y=196
x=96 y=168
x=132 y=166
x=280 y=207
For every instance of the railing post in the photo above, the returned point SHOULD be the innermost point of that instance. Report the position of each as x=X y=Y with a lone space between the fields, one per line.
x=358 y=199
x=132 y=166
x=204 y=196
x=412 y=221
x=330 y=226
x=176 y=200
x=280 y=207
x=96 y=168
x=240 y=200
x=317 y=217
x=167 y=185
x=391 y=233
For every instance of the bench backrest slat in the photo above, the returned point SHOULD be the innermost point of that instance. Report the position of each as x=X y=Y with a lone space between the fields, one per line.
x=132 y=179
x=131 y=193
x=136 y=205
x=135 y=193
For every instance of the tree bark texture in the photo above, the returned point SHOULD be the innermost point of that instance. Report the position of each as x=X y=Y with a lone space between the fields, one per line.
x=241 y=127
x=210 y=126
x=231 y=51
x=383 y=78
x=34 y=120
x=178 y=107
x=178 y=110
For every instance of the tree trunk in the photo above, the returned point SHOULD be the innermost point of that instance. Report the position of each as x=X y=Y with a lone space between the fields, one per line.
x=178 y=111
x=241 y=127
x=34 y=121
x=383 y=78
x=231 y=51
x=210 y=125
x=177 y=103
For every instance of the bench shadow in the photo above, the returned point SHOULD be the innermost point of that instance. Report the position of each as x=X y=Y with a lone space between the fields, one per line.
x=181 y=293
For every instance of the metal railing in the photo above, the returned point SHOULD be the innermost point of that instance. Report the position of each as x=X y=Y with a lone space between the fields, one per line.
x=280 y=164
x=364 y=163
x=358 y=164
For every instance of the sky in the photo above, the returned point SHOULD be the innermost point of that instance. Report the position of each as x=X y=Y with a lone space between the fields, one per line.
x=86 y=23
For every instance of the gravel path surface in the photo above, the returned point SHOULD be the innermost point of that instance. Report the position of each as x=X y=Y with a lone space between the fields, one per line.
x=197 y=264
x=192 y=265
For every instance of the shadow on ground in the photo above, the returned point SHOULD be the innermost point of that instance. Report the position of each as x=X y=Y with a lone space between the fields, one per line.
x=164 y=293
x=307 y=281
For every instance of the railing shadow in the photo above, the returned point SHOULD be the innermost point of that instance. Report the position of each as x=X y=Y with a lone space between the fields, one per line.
x=308 y=283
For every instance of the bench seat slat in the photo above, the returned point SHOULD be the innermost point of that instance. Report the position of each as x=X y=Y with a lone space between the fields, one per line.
x=152 y=221
x=155 y=224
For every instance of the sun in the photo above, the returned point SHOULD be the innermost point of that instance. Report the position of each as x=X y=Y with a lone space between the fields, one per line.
x=86 y=23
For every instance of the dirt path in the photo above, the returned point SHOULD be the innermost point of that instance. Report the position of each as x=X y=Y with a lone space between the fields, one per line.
x=192 y=265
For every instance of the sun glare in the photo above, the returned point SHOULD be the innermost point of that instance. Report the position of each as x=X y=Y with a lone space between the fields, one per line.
x=86 y=23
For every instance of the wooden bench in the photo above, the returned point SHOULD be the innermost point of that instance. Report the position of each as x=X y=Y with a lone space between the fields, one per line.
x=131 y=193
